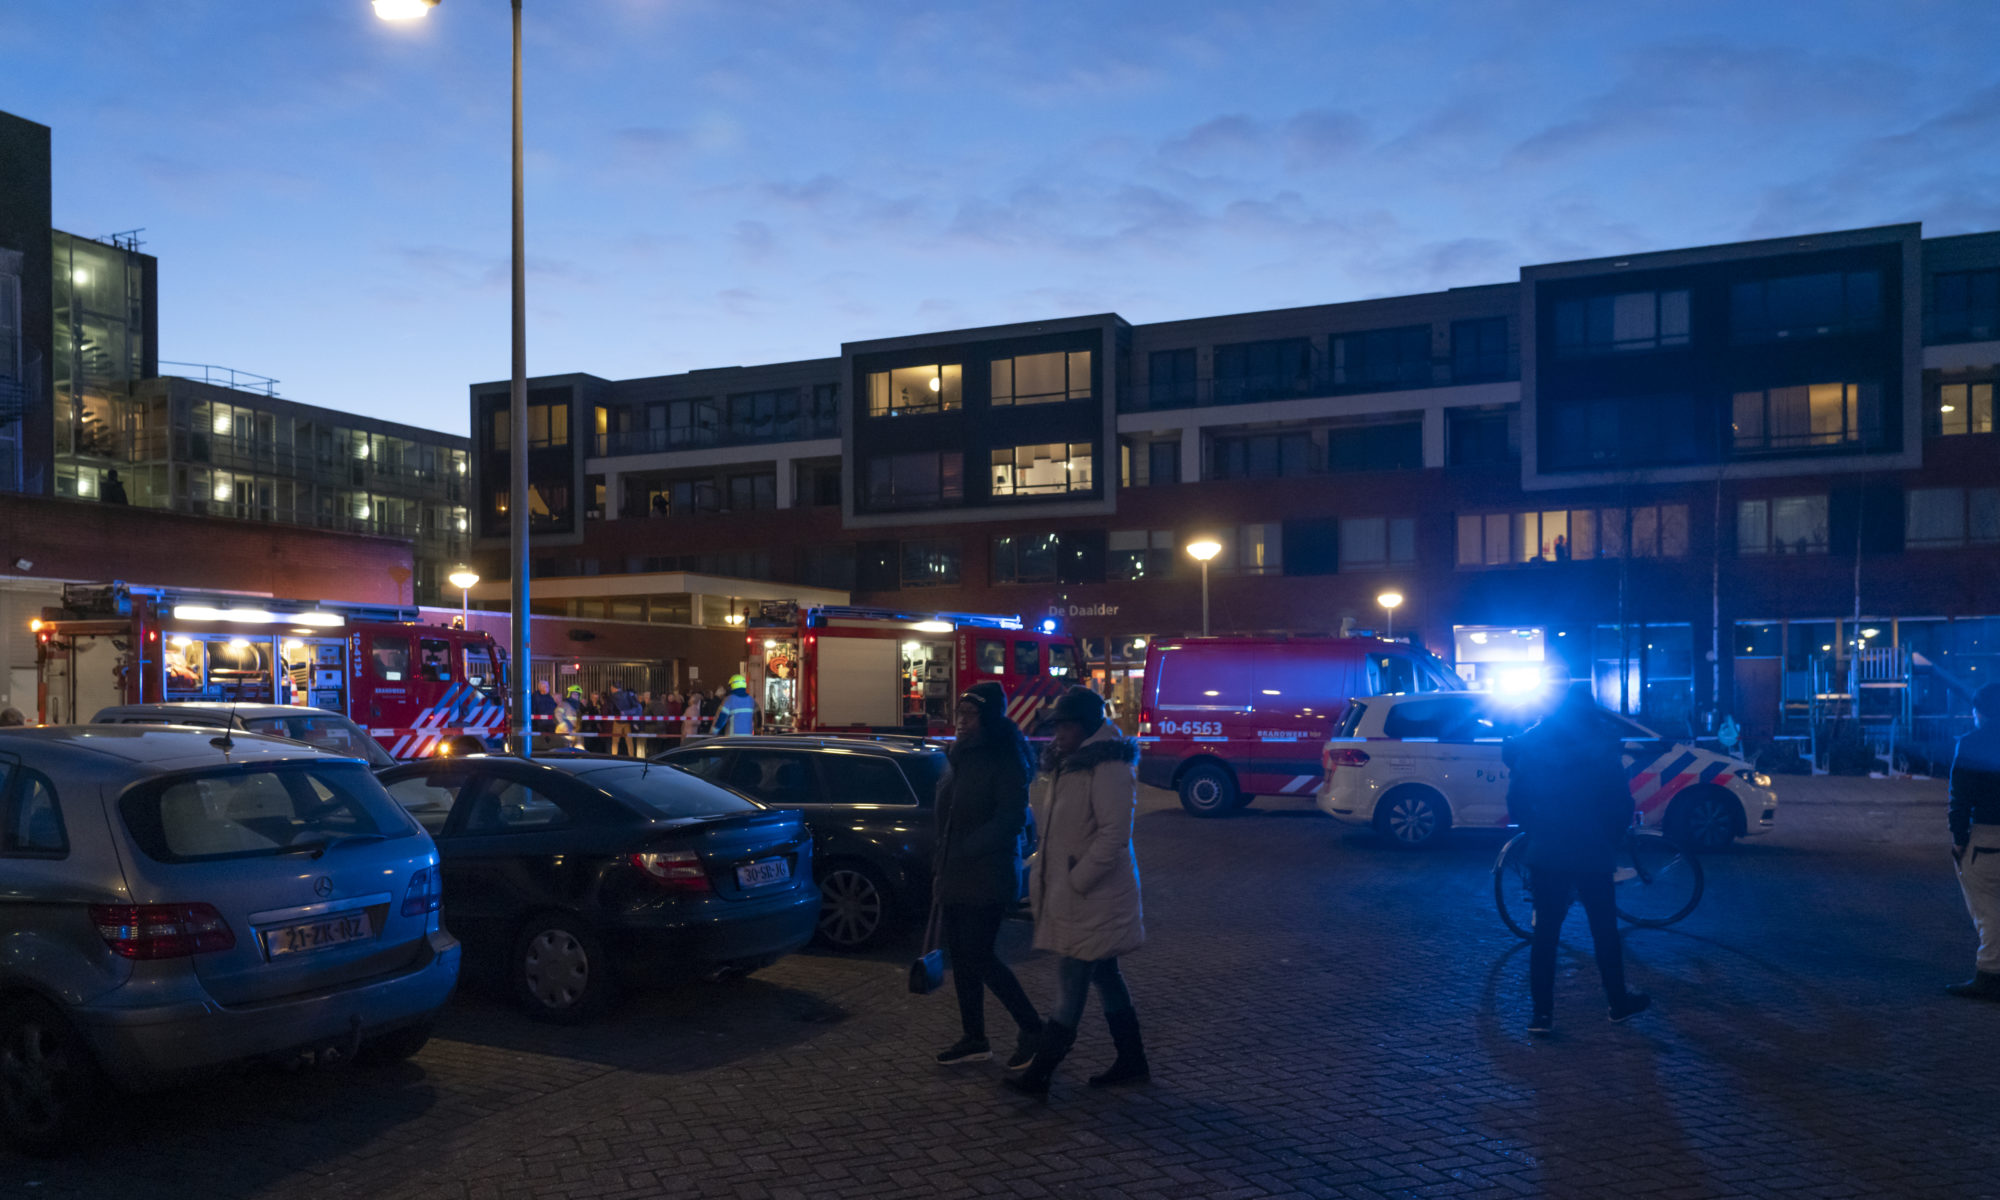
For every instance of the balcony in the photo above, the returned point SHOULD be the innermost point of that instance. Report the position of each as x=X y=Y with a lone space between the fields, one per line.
x=799 y=428
x=1258 y=389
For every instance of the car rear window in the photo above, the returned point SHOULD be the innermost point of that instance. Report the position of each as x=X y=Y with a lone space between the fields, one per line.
x=256 y=811
x=666 y=793
x=325 y=731
x=1447 y=718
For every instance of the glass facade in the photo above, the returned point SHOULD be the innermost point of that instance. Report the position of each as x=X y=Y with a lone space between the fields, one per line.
x=100 y=353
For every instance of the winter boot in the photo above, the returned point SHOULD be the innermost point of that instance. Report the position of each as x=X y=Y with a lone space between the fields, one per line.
x=1984 y=985
x=1130 y=1066
x=1057 y=1038
x=1026 y=1042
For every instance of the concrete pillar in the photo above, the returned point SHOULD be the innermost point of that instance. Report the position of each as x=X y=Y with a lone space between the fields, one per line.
x=614 y=495
x=787 y=473
x=1191 y=454
x=1434 y=437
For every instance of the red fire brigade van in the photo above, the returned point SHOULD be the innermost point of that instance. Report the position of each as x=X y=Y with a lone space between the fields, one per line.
x=831 y=668
x=418 y=689
x=1224 y=720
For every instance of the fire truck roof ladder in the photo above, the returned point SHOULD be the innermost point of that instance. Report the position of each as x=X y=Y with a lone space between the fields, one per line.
x=818 y=614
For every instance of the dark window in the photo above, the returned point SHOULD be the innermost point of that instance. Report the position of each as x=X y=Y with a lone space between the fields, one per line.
x=1382 y=359
x=1062 y=661
x=932 y=562
x=878 y=567
x=1170 y=379
x=1626 y=430
x=390 y=657
x=1805 y=306
x=1965 y=306
x=688 y=497
x=825 y=416
x=505 y=806
x=1163 y=462
x=1622 y=322
x=923 y=480
x=780 y=779
x=1246 y=372
x=1479 y=437
x=827 y=567
x=1312 y=546
x=819 y=485
x=695 y=422
x=1027 y=659
x=34 y=824
x=1398 y=447
x=434 y=659
x=864 y=779
x=1027 y=558
x=1139 y=553
x=1263 y=456
x=706 y=764
x=992 y=656
x=1479 y=350
x=749 y=493
x=764 y=416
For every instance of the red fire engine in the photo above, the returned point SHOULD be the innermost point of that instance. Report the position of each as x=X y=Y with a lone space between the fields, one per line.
x=417 y=689
x=841 y=669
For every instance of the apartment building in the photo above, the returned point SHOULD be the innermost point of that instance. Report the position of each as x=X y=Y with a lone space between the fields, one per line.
x=1758 y=478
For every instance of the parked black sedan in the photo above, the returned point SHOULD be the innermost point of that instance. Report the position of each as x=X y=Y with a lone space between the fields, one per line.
x=579 y=875
x=869 y=802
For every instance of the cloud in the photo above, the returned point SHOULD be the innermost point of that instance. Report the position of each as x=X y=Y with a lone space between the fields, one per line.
x=753 y=239
x=1225 y=135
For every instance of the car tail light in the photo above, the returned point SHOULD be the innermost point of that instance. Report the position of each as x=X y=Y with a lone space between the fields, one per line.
x=149 y=931
x=1332 y=758
x=425 y=892
x=1146 y=721
x=675 y=870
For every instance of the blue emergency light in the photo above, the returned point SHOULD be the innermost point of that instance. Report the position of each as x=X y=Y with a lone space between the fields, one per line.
x=1048 y=624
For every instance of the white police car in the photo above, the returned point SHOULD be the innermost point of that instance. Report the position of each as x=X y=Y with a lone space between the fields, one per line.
x=1413 y=766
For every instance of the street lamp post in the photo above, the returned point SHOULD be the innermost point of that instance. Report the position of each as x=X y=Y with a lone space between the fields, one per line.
x=463 y=579
x=1202 y=551
x=517 y=405
x=1389 y=601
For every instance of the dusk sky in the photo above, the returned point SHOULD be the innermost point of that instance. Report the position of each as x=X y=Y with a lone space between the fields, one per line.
x=715 y=184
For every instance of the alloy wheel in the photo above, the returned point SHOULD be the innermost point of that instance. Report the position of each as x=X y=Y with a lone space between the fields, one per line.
x=850 y=907
x=1412 y=820
x=556 y=969
x=1709 y=826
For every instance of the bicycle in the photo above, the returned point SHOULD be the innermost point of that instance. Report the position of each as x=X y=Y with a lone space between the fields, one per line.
x=1655 y=882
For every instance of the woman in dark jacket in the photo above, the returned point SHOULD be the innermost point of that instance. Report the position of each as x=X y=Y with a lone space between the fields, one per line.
x=982 y=805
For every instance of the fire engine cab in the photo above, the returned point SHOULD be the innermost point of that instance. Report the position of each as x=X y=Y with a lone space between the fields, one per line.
x=844 y=669
x=418 y=689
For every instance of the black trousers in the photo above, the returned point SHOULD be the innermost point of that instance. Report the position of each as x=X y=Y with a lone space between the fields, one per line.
x=1553 y=891
x=969 y=933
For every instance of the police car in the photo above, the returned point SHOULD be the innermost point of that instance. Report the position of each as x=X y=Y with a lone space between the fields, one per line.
x=1413 y=766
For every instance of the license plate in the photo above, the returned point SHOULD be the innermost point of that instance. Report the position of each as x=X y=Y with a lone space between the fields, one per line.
x=318 y=935
x=759 y=874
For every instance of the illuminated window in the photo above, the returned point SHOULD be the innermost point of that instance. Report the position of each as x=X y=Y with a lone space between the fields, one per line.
x=1559 y=535
x=911 y=390
x=1042 y=378
x=1053 y=468
x=1962 y=408
x=1806 y=417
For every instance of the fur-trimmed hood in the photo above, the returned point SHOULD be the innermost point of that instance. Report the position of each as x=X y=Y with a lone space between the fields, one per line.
x=1106 y=745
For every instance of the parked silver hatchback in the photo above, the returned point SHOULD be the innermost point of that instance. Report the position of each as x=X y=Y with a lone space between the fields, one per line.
x=173 y=900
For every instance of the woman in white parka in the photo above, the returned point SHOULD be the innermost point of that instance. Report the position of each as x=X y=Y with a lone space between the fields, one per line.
x=1084 y=885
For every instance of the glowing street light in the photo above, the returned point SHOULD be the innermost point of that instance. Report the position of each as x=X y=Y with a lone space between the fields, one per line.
x=1202 y=551
x=463 y=579
x=517 y=401
x=1389 y=601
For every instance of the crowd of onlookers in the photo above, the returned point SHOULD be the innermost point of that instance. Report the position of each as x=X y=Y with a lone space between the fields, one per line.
x=614 y=720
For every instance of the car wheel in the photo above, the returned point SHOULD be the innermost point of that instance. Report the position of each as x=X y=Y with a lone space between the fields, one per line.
x=561 y=972
x=49 y=1084
x=394 y=1047
x=1412 y=818
x=1208 y=790
x=1705 y=821
x=853 y=906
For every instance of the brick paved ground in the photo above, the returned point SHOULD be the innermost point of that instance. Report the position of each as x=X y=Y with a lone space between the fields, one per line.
x=1327 y=1018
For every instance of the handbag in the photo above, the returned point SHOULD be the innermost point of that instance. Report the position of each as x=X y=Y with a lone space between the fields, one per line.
x=927 y=972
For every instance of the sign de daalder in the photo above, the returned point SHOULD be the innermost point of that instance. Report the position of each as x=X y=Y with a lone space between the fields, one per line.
x=1085 y=610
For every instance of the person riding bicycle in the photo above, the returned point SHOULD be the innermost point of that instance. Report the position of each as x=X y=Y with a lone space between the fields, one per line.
x=1566 y=788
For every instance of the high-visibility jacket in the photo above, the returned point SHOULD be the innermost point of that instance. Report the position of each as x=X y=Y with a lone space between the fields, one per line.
x=738 y=715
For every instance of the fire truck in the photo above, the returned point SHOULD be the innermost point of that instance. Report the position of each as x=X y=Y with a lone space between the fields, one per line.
x=844 y=669
x=419 y=690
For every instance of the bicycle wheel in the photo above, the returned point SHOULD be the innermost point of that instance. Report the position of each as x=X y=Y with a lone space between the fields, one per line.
x=1510 y=887
x=1656 y=883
